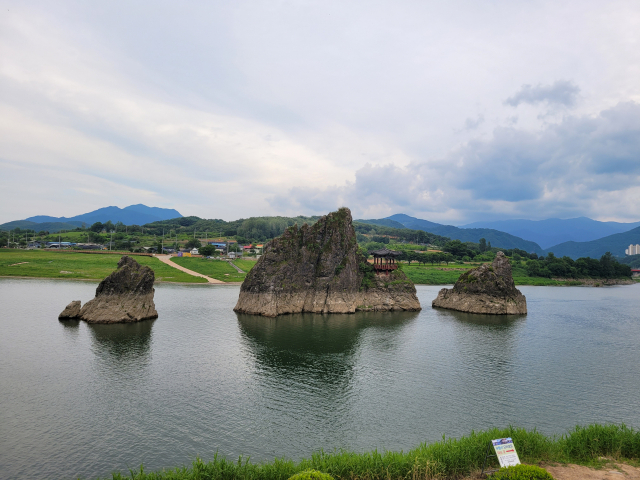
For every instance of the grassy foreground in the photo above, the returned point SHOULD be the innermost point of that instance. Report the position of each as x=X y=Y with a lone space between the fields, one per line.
x=86 y=266
x=446 y=459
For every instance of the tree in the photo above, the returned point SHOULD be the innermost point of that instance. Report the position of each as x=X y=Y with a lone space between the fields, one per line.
x=607 y=268
x=96 y=227
x=533 y=268
x=193 y=243
x=446 y=258
x=207 y=250
x=483 y=245
x=456 y=248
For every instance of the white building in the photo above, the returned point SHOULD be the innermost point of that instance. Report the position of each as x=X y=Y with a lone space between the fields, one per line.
x=633 y=250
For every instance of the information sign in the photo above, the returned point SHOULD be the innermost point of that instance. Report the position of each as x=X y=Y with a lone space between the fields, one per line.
x=506 y=452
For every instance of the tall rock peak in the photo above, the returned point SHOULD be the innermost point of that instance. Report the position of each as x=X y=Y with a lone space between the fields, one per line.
x=319 y=269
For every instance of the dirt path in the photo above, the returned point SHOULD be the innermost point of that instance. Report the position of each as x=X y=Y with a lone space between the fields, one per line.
x=576 y=472
x=235 y=266
x=613 y=471
x=167 y=259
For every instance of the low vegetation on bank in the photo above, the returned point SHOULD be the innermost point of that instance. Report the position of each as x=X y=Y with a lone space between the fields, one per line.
x=88 y=266
x=79 y=266
x=592 y=445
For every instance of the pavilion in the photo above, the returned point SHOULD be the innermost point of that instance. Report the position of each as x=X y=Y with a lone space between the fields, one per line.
x=385 y=260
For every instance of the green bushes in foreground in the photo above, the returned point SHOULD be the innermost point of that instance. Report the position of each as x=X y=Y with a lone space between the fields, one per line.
x=522 y=472
x=448 y=458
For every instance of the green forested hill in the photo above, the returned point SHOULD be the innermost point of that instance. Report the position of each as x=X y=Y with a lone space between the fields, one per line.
x=495 y=237
x=51 y=227
x=616 y=244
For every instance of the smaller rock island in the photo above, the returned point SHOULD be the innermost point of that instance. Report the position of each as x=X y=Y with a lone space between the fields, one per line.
x=487 y=289
x=126 y=295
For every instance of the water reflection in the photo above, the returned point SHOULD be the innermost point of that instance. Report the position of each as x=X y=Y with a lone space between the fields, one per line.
x=488 y=354
x=480 y=319
x=315 y=346
x=122 y=343
x=309 y=366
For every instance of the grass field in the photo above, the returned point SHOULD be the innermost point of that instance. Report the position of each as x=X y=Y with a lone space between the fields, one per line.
x=427 y=275
x=218 y=269
x=593 y=445
x=245 y=265
x=38 y=263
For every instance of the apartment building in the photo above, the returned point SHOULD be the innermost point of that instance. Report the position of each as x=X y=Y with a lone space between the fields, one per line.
x=633 y=250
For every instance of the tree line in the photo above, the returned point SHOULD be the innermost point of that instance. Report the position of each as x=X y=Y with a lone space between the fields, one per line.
x=552 y=266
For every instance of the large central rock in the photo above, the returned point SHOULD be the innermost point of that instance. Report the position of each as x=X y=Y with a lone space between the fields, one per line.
x=124 y=296
x=487 y=289
x=318 y=269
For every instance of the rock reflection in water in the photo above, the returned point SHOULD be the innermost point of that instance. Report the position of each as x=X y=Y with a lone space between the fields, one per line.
x=487 y=350
x=313 y=350
x=308 y=366
x=122 y=343
x=291 y=343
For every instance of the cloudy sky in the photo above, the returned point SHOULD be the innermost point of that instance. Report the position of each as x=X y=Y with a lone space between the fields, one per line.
x=454 y=111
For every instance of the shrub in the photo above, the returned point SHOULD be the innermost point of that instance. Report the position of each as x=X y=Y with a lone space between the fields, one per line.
x=311 y=475
x=522 y=472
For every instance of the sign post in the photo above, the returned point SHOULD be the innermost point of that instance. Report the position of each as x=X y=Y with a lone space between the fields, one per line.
x=505 y=451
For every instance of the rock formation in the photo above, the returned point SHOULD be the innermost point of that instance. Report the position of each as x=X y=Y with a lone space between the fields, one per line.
x=126 y=295
x=487 y=289
x=71 y=312
x=318 y=269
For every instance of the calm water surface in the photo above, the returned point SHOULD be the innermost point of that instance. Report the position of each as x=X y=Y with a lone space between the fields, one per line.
x=80 y=400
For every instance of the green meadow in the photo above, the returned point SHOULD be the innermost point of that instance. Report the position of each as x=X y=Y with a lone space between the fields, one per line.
x=428 y=275
x=245 y=265
x=85 y=266
x=218 y=269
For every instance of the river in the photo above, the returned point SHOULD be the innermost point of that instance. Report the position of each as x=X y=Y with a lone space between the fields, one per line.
x=80 y=400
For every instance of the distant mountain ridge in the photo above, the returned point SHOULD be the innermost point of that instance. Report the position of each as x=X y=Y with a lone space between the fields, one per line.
x=132 y=215
x=496 y=237
x=51 y=227
x=554 y=231
x=616 y=244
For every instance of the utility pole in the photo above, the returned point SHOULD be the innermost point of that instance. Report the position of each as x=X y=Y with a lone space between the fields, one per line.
x=162 y=249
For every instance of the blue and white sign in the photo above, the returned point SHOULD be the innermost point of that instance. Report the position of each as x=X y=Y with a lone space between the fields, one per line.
x=506 y=452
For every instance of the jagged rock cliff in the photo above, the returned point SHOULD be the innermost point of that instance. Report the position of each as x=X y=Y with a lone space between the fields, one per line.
x=124 y=296
x=487 y=289
x=318 y=269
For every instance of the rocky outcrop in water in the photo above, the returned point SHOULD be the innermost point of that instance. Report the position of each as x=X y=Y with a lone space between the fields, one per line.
x=126 y=295
x=318 y=269
x=71 y=311
x=487 y=289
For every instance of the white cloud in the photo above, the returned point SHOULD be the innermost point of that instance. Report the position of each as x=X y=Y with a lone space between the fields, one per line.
x=235 y=109
x=582 y=166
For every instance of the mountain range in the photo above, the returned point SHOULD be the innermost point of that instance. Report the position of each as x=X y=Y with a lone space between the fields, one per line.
x=597 y=237
x=553 y=231
x=496 y=237
x=131 y=215
x=574 y=237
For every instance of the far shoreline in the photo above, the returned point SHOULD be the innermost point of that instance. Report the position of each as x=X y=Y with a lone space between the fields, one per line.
x=597 y=283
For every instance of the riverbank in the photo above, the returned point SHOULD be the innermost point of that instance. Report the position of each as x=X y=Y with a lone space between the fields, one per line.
x=428 y=275
x=593 y=446
x=15 y=263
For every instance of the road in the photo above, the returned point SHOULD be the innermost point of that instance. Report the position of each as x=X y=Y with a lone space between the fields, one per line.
x=167 y=259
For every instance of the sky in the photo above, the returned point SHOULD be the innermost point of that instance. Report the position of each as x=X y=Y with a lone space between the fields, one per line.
x=450 y=111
